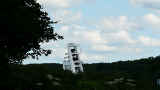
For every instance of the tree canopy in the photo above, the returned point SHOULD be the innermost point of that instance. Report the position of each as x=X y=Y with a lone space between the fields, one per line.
x=24 y=25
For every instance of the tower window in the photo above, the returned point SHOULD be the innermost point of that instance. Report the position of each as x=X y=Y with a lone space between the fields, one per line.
x=73 y=50
x=75 y=57
x=76 y=63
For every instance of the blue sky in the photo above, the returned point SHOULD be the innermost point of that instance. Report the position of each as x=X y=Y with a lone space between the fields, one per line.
x=107 y=30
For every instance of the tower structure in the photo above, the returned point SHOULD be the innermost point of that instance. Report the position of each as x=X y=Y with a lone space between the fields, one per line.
x=73 y=62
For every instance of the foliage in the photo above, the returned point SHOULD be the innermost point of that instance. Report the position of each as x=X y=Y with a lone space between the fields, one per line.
x=122 y=75
x=24 y=24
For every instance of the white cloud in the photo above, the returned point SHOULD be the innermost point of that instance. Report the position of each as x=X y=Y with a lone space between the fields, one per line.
x=124 y=35
x=138 y=50
x=120 y=37
x=152 y=20
x=94 y=37
x=153 y=4
x=64 y=28
x=59 y=10
x=118 y=29
x=103 y=48
x=67 y=17
x=92 y=58
x=56 y=3
x=99 y=39
x=61 y=4
x=58 y=53
x=148 y=41
x=74 y=17
x=118 y=23
x=49 y=44
x=85 y=35
x=128 y=49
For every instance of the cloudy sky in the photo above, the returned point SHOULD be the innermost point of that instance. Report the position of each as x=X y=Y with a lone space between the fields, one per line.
x=107 y=30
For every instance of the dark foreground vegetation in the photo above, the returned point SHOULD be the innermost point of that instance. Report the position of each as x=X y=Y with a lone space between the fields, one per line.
x=123 y=75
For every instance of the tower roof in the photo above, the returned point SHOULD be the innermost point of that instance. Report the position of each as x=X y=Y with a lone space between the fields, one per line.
x=72 y=44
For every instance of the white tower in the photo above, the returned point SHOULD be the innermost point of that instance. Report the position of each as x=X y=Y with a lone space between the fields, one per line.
x=73 y=62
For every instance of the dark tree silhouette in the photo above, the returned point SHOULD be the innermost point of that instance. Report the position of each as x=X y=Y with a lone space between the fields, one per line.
x=24 y=24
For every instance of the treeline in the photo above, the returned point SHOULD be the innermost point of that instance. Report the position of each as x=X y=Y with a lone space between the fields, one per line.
x=144 y=71
x=122 y=75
